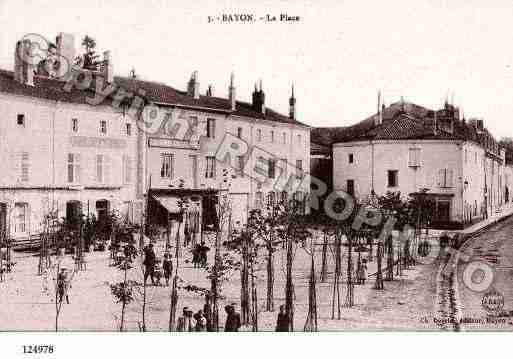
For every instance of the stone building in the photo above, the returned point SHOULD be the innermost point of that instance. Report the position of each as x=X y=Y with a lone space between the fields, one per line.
x=68 y=152
x=180 y=157
x=407 y=148
x=60 y=154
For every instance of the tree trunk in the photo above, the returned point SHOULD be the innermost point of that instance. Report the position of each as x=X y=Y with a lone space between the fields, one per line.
x=390 y=258
x=324 y=268
x=174 y=288
x=123 y=305
x=350 y=279
x=335 y=298
x=379 y=274
x=270 y=278
x=311 y=319
x=254 y=301
x=289 y=286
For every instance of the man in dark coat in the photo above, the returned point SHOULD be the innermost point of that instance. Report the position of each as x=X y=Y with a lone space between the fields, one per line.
x=149 y=263
x=282 y=324
x=232 y=319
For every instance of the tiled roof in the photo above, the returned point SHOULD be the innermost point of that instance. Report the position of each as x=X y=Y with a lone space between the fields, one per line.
x=401 y=120
x=51 y=89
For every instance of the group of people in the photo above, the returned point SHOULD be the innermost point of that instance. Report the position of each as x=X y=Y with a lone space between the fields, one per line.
x=201 y=321
x=151 y=268
x=199 y=255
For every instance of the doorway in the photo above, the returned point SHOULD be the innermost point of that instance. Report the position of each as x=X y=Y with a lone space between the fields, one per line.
x=73 y=212
x=443 y=211
x=102 y=210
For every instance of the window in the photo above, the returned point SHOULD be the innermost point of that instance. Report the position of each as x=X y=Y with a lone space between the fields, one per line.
x=272 y=136
x=475 y=157
x=466 y=156
x=258 y=199
x=271 y=199
x=128 y=129
x=20 y=120
x=127 y=169
x=103 y=127
x=210 y=171
x=73 y=167
x=284 y=137
x=271 y=170
x=240 y=164
x=21 y=217
x=211 y=128
x=299 y=139
x=350 y=187
x=102 y=168
x=129 y=211
x=74 y=124
x=24 y=167
x=299 y=168
x=239 y=132
x=414 y=157
x=392 y=178
x=283 y=167
x=284 y=197
x=166 y=167
x=259 y=135
x=445 y=177
x=350 y=158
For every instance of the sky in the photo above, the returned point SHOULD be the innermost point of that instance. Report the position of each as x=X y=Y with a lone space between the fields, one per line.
x=338 y=55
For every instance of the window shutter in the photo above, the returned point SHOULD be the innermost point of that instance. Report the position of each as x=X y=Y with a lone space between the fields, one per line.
x=24 y=166
x=440 y=178
x=77 y=167
x=107 y=164
x=449 y=178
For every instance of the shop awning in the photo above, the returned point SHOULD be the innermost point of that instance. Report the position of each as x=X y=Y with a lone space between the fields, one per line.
x=168 y=202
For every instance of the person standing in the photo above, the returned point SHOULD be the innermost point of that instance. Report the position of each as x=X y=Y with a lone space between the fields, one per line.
x=62 y=286
x=232 y=319
x=149 y=263
x=167 y=267
x=201 y=321
x=282 y=324
x=362 y=272
x=182 y=321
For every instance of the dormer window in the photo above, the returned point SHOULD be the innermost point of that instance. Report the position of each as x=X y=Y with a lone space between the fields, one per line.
x=128 y=129
x=74 y=124
x=20 y=120
x=103 y=127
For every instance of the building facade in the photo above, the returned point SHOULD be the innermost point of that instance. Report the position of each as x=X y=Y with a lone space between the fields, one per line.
x=409 y=149
x=66 y=154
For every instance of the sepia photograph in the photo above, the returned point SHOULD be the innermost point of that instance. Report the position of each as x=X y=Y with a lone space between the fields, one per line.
x=256 y=166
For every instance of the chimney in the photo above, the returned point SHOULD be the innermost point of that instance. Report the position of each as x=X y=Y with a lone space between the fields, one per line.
x=193 y=86
x=66 y=49
x=259 y=99
x=232 y=93
x=108 y=69
x=23 y=63
x=292 y=105
x=379 y=117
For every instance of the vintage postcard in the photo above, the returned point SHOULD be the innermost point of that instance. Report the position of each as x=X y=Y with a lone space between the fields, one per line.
x=255 y=167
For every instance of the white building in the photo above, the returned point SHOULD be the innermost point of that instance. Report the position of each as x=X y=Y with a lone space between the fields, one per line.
x=406 y=148
x=60 y=153
x=64 y=153
x=177 y=163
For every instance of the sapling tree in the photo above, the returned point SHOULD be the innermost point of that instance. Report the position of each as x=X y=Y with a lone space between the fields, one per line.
x=123 y=292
